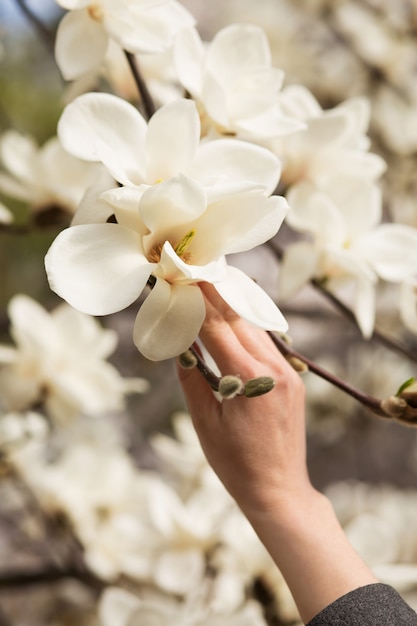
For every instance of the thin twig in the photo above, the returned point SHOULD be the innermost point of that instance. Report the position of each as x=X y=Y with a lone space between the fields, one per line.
x=370 y=402
x=16 y=578
x=212 y=379
x=45 y=34
x=147 y=100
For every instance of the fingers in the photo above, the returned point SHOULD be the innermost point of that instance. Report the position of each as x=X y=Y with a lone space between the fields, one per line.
x=233 y=342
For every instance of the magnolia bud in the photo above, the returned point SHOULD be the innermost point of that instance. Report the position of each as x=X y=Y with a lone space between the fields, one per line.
x=187 y=360
x=394 y=406
x=297 y=364
x=230 y=386
x=258 y=386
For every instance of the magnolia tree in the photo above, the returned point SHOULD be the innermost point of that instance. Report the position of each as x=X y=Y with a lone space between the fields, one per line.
x=194 y=151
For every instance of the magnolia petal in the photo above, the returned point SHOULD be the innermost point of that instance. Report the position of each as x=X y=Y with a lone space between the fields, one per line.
x=180 y=571
x=298 y=266
x=12 y=188
x=391 y=249
x=116 y=606
x=93 y=209
x=364 y=306
x=168 y=205
x=229 y=166
x=249 y=301
x=188 y=58
x=174 y=268
x=149 y=27
x=270 y=124
x=236 y=224
x=169 y=320
x=236 y=49
x=313 y=211
x=18 y=154
x=80 y=45
x=97 y=268
x=32 y=325
x=172 y=139
x=103 y=127
x=356 y=164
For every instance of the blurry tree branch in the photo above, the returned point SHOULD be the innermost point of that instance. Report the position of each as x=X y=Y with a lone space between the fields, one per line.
x=45 y=34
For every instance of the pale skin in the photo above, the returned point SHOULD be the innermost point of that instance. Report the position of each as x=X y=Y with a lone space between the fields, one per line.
x=257 y=448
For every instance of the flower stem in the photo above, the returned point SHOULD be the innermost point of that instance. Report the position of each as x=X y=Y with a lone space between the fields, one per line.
x=147 y=100
x=370 y=402
x=212 y=379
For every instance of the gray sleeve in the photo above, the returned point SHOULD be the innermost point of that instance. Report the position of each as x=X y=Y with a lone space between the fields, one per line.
x=372 y=605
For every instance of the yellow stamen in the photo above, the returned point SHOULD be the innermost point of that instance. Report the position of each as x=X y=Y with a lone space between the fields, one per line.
x=181 y=247
x=95 y=12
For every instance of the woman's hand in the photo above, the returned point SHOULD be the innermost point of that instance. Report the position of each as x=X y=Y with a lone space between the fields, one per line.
x=255 y=445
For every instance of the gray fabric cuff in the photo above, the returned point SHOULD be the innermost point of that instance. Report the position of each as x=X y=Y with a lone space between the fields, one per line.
x=372 y=605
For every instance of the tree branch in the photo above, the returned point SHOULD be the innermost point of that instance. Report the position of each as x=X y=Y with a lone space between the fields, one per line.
x=45 y=34
x=147 y=100
x=370 y=402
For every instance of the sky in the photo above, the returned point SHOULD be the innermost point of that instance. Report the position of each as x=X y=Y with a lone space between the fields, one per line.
x=12 y=16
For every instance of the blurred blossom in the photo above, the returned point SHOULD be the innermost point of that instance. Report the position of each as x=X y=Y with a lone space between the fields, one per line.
x=380 y=522
x=139 y=26
x=17 y=428
x=45 y=177
x=333 y=144
x=59 y=361
x=234 y=83
x=121 y=608
x=349 y=244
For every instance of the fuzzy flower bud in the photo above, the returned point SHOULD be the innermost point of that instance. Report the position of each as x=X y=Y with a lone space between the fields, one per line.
x=258 y=386
x=187 y=360
x=230 y=386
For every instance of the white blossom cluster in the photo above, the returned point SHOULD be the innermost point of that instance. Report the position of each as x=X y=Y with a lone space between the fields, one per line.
x=156 y=204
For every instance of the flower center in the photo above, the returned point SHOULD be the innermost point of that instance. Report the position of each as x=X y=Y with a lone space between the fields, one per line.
x=180 y=248
x=95 y=11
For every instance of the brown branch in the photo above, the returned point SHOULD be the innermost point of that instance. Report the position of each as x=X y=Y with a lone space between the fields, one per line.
x=370 y=402
x=45 y=34
x=147 y=100
x=17 y=578
x=212 y=379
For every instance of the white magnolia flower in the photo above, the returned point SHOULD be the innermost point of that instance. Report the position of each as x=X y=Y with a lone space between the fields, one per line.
x=349 y=244
x=44 y=176
x=59 y=359
x=234 y=83
x=99 y=489
x=332 y=144
x=173 y=235
x=102 y=127
x=136 y=25
x=119 y=607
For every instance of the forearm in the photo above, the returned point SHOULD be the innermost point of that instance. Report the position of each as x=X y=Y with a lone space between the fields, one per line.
x=307 y=543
